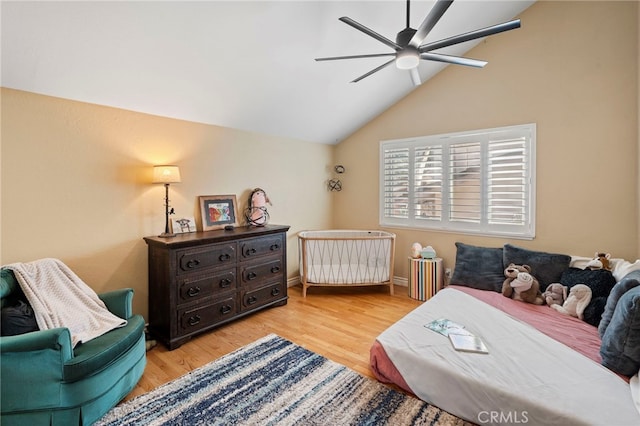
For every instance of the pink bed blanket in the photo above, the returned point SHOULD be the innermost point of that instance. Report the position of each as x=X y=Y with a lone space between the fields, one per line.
x=572 y=332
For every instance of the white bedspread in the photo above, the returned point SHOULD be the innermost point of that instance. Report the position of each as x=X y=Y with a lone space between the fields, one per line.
x=59 y=298
x=527 y=377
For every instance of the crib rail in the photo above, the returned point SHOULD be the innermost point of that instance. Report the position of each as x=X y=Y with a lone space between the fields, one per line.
x=346 y=258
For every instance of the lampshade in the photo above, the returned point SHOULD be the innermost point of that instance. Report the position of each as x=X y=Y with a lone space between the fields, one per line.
x=407 y=58
x=166 y=174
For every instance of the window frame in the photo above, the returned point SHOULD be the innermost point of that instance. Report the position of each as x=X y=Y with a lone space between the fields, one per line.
x=443 y=224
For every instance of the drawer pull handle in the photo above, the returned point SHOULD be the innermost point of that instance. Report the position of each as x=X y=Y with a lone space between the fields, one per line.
x=274 y=247
x=275 y=291
x=251 y=251
x=193 y=263
x=252 y=276
x=225 y=257
x=251 y=300
x=225 y=283
x=225 y=309
x=193 y=291
x=275 y=269
x=193 y=320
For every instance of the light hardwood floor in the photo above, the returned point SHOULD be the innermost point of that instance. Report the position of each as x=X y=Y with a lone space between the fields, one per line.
x=338 y=323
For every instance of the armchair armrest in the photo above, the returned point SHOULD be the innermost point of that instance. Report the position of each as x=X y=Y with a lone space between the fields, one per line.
x=119 y=302
x=56 y=338
x=32 y=368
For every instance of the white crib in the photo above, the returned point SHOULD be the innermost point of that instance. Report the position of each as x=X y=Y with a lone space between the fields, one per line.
x=345 y=257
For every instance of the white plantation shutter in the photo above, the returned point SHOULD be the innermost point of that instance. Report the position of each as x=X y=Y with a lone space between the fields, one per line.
x=479 y=182
x=508 y=177
x=465 y=182
x=427 y=200
x=396 y=183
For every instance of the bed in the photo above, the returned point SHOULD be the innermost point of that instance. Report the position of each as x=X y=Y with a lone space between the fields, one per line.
x=543 y=367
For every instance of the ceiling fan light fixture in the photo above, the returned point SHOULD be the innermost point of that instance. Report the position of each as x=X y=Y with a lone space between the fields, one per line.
x=407 y=59
x=409 y=47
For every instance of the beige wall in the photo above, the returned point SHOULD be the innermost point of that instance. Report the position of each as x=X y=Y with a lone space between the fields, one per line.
x=76 y=183
x=573 y=69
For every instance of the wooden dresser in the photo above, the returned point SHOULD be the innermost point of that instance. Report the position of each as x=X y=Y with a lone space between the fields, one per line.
x=201 y=280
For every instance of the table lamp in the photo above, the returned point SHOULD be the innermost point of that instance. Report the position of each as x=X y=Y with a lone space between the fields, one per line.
x=166 y=175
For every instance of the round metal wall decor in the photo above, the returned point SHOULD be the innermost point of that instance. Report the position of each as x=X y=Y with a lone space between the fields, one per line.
x=335 y=185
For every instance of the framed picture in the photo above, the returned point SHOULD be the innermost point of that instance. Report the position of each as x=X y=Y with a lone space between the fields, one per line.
x=217 y=211
x=183 y=225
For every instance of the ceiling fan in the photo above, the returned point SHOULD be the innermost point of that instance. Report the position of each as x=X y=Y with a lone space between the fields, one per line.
x=408 y=47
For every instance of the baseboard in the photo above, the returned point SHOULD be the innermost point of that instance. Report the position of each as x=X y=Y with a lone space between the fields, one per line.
x=402 y=282
x=293 y=281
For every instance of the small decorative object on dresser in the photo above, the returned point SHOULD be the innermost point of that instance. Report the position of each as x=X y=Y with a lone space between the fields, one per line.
x=256 y=212
x=201 y=280
x=183 y=225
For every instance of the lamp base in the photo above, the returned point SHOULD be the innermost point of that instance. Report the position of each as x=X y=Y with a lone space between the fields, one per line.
x=166 y=235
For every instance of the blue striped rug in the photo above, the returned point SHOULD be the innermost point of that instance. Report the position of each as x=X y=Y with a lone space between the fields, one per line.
x=273 y=381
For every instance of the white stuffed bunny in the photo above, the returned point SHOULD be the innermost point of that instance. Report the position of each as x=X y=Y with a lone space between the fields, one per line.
x=579 y=298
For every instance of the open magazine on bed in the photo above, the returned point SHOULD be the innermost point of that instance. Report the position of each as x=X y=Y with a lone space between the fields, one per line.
x=461 y=338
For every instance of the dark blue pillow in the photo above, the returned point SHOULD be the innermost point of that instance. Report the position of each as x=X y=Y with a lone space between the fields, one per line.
x=17 y=319
x=600 y=281
x=546 y=267
x=629 y=281
x=620 y=349
x=593 y=312
x=478 y=267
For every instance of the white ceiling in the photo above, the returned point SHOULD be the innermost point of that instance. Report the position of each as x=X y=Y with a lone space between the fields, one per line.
x=240 y=64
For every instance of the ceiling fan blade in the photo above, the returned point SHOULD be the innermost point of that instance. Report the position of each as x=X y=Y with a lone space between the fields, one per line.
x=374 y=55
x=373 y=71
x=415 y=76
x=429 y=22
x=370 y=32
x=453 y=60
x=472 y=35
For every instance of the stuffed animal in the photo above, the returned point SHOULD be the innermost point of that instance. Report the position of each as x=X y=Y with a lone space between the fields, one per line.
x=521 y=285
x=256 y=213
x=600 y=261
x=579 y=298
x=555 y=294
x=416 y=249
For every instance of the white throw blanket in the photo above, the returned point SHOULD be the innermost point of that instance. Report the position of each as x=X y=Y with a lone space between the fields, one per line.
x=59 y=298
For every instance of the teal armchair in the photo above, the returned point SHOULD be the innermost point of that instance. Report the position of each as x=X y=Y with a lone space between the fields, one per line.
x=44 y=381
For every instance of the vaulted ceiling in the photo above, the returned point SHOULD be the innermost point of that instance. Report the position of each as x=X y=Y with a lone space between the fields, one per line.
x=243 y=64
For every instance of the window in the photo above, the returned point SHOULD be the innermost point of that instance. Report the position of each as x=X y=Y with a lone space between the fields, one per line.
x=477 y=182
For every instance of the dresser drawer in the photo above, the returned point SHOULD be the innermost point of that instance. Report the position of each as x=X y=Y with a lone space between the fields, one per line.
x=264 y=246
x=204 y=316
x=253 y=274
x=196 y=287
x=210 y=256
x=263 y=295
